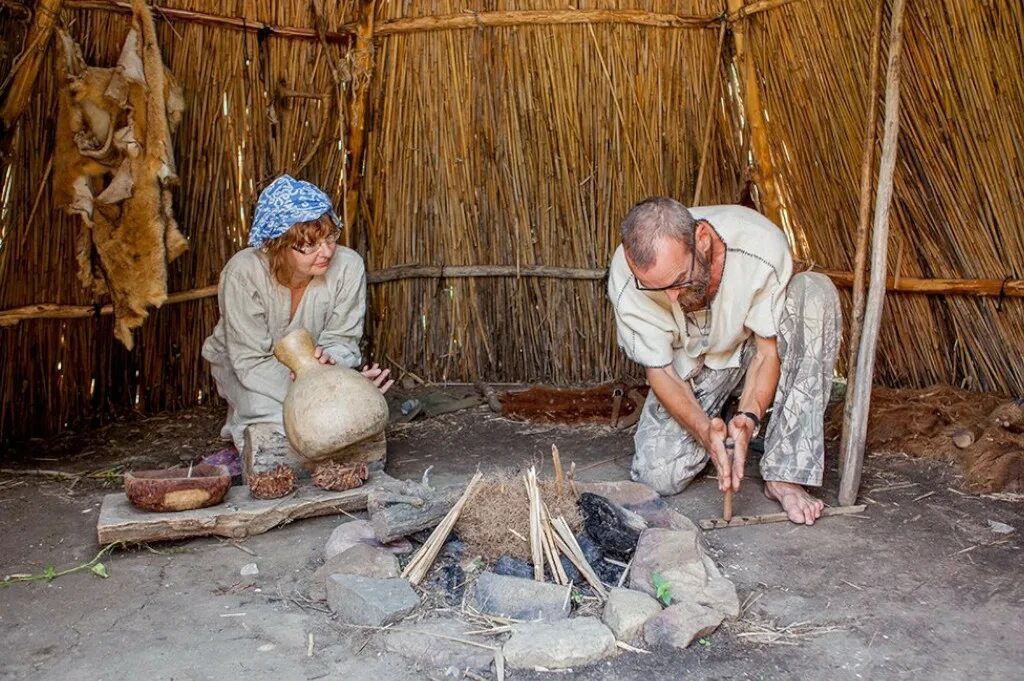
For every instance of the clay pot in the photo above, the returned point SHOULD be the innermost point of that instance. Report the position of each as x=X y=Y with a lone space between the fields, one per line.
x=328 y=407
x=173 y=489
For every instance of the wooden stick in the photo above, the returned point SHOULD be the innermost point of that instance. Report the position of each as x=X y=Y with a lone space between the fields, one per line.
x=764 y=175
x=26 y=70
x=556 y=461
x=574 y=553
x=757 y=8
x=345 y=36
x=550 y=549
x=468 y=20
x=864 y=217
x=363 y=70
x=730 y=450
x=855 y=426
x=417 y=568
x=742 y=520
x=536 y=552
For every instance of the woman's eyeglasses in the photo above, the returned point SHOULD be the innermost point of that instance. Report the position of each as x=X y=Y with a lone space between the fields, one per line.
x=310 y=249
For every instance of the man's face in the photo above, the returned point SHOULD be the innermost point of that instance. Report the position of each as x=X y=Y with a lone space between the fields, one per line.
x=684 y=276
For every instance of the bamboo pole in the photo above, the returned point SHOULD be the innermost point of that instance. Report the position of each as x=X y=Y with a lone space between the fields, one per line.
x=855 y=427
x=362 y=75
x=343 y=37
x=764 y=175
x=27 y=69
x=467 y=20
x=864 y=217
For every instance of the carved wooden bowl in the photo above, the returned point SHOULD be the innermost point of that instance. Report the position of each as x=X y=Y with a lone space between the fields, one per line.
x=173 y=489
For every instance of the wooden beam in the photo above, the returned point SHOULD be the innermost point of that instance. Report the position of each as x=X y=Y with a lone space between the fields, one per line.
x=864 y=218
x=742 y=520
x=763 y=173
x=358 y=110
x=344 y=37
x=26 y=69
x=856 y=425
x=468 y=20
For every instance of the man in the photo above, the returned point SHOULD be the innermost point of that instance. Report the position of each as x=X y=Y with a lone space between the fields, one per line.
x=704 y=299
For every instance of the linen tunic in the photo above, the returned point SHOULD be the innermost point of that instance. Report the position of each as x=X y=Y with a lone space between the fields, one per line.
x=655 y=332
x=255 y=310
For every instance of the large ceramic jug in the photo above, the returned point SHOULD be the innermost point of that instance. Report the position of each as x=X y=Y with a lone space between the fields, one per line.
x=328 y=407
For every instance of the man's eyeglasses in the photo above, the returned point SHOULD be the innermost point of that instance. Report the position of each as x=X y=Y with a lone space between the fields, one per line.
x=310 y=249
x=679 y=285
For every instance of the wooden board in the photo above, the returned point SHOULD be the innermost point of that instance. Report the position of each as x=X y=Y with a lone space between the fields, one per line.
x=238 y=516
x=742 y=520
x=265 y=447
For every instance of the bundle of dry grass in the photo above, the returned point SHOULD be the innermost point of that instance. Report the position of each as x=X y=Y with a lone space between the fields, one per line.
x=981 y=433
x=497 y=523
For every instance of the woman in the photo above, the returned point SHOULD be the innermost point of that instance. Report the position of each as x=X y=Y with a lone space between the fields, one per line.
x=293 y=275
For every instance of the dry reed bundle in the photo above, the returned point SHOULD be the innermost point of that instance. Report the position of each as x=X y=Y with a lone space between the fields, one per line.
x=501 y=527
x=956 y=213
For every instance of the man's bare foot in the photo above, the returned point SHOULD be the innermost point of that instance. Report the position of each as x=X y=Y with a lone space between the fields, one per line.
x=801 y=507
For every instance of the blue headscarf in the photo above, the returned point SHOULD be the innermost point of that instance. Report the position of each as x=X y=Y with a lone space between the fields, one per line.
x=285 y=202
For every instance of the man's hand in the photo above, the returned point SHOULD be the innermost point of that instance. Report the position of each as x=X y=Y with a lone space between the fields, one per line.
x=378 y=376
x=741 y=430
x=714 y=442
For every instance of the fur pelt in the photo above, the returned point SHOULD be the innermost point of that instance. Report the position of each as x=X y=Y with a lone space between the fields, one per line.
x=114 y=166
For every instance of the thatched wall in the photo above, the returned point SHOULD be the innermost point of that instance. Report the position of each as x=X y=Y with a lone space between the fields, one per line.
x=524 y=146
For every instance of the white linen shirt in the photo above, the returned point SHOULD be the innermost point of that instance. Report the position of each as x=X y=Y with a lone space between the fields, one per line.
x=655 y=332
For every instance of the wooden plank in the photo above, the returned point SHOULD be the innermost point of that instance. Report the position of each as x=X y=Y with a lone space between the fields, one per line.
x=265 y=447
x=741 y=520
x=238 y=516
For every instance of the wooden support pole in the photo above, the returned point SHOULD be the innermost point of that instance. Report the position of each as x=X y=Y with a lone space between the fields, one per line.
x=469 y=20
x=362 y=75
x=855 y=427
x=764 y=175
x=864 y=218
x=27 y=68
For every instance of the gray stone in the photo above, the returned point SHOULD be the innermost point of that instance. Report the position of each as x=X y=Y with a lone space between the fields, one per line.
x=360 y=559
x=521 y=599
x=679 y=558
x=719 y=593
x=558 y=645
x=678 y=625
x=626 y=611
x=353 y=532
x=423 y=643
x=370 y=602
x=249 y=570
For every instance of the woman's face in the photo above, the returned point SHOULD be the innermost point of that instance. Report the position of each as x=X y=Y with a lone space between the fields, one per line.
x=312 y=260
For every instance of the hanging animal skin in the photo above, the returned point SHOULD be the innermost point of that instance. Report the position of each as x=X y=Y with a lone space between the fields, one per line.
x=114 y=166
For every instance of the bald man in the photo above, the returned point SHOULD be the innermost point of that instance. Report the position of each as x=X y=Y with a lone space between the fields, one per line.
x=706 y=300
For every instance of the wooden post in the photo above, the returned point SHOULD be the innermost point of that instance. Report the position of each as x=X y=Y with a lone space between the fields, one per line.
x=764 y=175
x=856 y=425
x=38 y=39
x=864 y=218
x=362 y=74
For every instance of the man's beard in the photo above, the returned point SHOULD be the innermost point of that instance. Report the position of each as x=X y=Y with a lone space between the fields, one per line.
x=694 y=297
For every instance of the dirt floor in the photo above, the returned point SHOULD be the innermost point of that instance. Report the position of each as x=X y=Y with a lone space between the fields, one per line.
x=920 y=588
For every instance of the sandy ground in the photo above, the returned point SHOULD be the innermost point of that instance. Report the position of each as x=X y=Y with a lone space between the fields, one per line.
x=921 y=588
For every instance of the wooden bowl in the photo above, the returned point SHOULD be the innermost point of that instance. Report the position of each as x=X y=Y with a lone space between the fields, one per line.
x=173 y=489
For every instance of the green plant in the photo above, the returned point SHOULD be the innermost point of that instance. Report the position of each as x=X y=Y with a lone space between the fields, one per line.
x=50 y=573
x=662 y=588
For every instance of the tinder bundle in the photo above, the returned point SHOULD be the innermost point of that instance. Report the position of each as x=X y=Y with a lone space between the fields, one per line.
x=114 y=166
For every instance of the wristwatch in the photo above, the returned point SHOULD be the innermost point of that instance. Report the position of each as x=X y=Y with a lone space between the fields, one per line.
x=753 y=417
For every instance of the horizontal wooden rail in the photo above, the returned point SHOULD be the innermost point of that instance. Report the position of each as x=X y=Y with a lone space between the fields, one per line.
x=468 y=20
x=345 y=36
x=995 y=288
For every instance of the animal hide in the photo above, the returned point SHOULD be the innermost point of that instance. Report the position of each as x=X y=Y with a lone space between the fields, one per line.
x=114 y=166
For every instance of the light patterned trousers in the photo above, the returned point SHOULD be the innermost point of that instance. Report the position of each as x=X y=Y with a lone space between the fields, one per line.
x=667 y=457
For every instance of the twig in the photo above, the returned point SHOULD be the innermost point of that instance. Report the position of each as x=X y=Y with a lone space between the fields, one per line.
x=417 y=568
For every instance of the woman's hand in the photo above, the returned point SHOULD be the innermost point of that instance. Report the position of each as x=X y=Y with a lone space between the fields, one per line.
x=322 y=356
x=378 y=376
